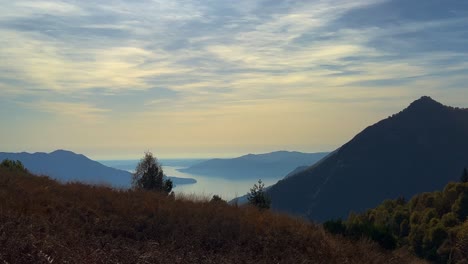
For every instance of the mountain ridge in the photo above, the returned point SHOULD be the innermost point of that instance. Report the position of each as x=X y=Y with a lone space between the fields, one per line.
x=256 y=166
x=418 y=149
x=65 y=165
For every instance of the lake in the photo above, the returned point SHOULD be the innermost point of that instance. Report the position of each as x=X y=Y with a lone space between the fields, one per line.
x=206 y=186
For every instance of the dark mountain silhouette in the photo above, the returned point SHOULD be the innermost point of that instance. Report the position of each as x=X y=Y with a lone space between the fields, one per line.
x=243 y=199
x=260 y=166
x=296 y=171
x=417 y=150
x=68 y=166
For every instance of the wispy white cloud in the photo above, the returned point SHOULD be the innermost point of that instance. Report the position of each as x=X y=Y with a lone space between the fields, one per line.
x=48 y=64
x=192 y=63
x=81 y=112
x=25 y=9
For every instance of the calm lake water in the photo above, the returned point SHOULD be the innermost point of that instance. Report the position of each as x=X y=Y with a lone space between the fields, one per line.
x=206 y=186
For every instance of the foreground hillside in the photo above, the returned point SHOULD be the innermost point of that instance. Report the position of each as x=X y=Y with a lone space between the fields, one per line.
x=42 y=221
x=420 y=149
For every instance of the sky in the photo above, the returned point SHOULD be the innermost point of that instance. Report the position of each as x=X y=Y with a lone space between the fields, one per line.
x=210 y=78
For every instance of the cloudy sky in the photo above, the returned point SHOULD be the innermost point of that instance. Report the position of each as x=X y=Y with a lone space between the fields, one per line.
x=112 y=79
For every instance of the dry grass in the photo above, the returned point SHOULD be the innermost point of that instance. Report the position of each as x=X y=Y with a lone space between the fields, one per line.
x=42 y=221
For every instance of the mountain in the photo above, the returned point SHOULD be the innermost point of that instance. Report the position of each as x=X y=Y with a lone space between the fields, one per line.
x=260 y=166
x=243 y=199
x=296 y=171
x=68 y=166
x=420 y=149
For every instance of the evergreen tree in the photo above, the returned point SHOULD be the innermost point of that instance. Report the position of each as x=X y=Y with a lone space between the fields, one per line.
x=432 y=225
x=258 y=197
x=149 y=175
x=464 y=177
x=217 y=199
x=460 y=207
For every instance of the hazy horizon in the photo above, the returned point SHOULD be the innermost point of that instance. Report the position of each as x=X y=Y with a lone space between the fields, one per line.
x=202 y=79
x=136 y=157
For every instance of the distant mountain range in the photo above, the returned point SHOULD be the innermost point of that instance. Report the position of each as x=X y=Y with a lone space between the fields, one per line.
x=255 y=166
x=129 y=165
x=417 y=150
x=68 y=166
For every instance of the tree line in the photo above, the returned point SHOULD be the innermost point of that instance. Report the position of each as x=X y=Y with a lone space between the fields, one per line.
x=433 y=225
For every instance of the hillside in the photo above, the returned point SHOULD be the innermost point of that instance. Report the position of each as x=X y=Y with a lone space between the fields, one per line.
x=296 y=171
x=432 y=225
x=420 y=149
x=255 y=166
x=43 y=221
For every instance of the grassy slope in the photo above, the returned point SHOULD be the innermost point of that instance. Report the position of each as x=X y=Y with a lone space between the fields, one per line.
x=42 y=220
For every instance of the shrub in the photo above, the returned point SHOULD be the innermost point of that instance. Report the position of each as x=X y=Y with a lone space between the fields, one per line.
x=258 y=197
x=335 y=226
x=217 y=199
x=13 y=165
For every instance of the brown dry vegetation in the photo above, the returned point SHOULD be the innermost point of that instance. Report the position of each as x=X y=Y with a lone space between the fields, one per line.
x=43 y=221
